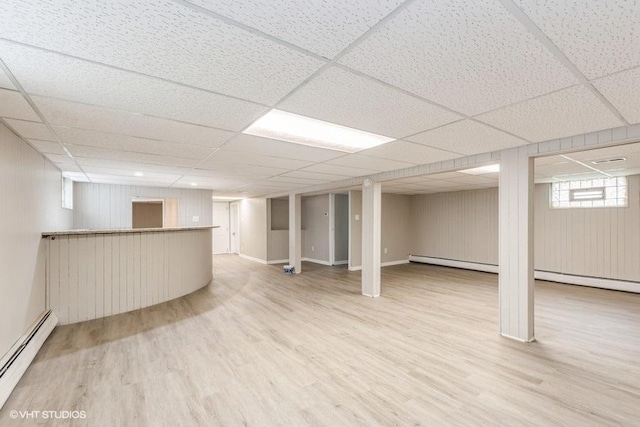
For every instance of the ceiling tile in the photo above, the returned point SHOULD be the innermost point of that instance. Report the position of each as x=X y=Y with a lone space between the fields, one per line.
x=487 y=179
x=623 y=91
x=54 y=75
x=61 y=159
x=467 y=137
x=128 y=156
x=324 y=28
x=599 y=37
x=276 y=148
x=324 y=177
x=130 y=174
x=561 y=169
x=242 y=171
x=564 y=113
x=365 y=162
x=31 y=130
x=131 y=166
x=348 y=99
x=132 y=180
x=47 y=147
x=106 y=120
x=291 y=180
x=14 y=106
x=467 y=55
x=129 y=143
x=164 y=39
x=5 y=82
x=410 y=152
x=338 y=170
x=226 y=156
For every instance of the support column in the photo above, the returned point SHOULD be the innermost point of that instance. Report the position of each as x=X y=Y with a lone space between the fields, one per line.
x=516 y=245
x=295 y=232
x=371 y=236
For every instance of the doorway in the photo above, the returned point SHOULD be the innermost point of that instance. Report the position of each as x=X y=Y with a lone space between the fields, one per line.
x=221 y=233
x=234 y=227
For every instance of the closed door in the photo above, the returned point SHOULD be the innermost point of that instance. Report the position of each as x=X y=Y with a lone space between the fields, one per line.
x=234 y=226
x=221 y=234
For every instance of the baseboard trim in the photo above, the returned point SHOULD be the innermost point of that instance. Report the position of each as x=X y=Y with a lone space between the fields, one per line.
x=530 y=340
x=18 y=359
x=250 y=258
x=341 y=262
x=466 y=265
x=592 y=282
x=278 y=261
x=390 y=263
x=384 y=264
x=317 y=261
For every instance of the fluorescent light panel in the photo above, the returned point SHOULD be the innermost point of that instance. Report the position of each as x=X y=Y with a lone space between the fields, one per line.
x=298 y=129
x=482 y=170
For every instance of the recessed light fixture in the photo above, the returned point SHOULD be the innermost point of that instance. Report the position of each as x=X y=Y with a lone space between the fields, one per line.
x=194 y=184
x=482 y=170
x=303 y=130
x=138 y=174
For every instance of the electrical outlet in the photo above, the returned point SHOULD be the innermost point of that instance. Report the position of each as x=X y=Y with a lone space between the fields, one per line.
x=313 y=248
x=196 y=219
x=357 y=217
x=385 y=250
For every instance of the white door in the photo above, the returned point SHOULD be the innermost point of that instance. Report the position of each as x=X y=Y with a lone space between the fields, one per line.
x=235 y=227
x=221 y=234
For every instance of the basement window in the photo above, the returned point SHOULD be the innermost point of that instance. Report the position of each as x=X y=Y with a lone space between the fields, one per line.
x=590 y=193
x=67 y=193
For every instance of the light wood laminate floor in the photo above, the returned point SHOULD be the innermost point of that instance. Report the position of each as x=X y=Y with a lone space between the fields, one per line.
x=258 y=347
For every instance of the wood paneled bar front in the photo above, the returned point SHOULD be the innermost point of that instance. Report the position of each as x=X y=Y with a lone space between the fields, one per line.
x=92 y=274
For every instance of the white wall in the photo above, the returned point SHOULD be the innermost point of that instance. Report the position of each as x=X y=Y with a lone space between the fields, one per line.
x=396 y=229
x=341 y=227
x=253 y=228
x=30 y=190
x=595 y=242
x=315 y=223
x=461 y=225
x=106 y=206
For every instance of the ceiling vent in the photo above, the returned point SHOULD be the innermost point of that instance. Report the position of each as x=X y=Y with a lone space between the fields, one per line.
x=611 y=160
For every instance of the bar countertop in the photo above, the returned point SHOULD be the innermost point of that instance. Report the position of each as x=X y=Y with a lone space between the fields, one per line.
x=124 y=230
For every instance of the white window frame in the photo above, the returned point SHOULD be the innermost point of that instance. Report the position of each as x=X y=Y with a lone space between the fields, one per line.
x=615 y=193
x=67 y=193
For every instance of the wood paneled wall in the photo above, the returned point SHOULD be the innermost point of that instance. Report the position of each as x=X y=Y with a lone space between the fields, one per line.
x=105 y=206
x=596 y=242
x=461 y=225
x=254 y=228
x=97 y=275
x=30 y=194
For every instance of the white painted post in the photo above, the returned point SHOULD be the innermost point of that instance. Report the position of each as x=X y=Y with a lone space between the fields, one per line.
x=516 y=281
x=295 y=232
x=371 y=234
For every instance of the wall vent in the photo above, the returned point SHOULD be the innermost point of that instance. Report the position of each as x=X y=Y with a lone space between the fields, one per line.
x=611 y=160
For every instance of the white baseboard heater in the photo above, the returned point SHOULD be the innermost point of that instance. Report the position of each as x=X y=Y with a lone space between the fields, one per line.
x=15 y=363
x=550 y=276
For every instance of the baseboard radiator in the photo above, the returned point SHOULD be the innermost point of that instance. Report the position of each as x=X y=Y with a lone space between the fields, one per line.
x=550 y=276
x=15 y=363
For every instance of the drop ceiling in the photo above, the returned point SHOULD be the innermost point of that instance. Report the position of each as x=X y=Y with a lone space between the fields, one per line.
x=621 y=160
x=166 y=87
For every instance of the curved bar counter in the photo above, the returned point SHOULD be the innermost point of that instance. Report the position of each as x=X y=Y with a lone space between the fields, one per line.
x=98 y=273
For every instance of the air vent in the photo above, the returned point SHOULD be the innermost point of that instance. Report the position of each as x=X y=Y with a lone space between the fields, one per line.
x=611 y=160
